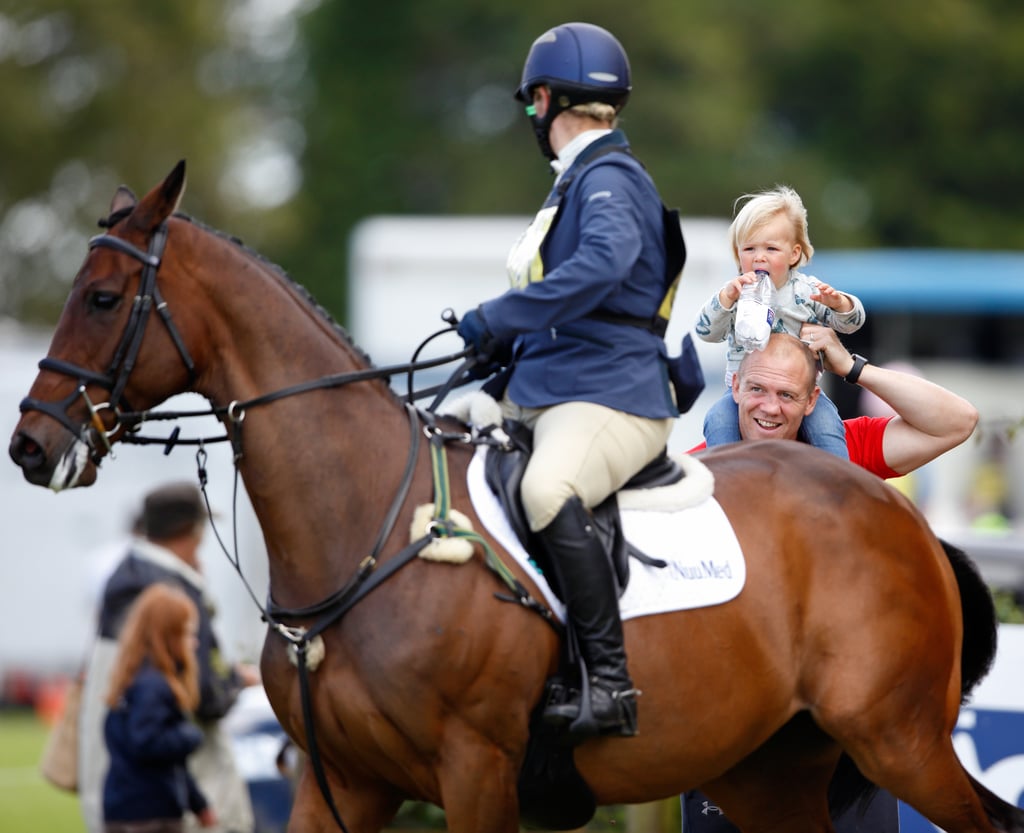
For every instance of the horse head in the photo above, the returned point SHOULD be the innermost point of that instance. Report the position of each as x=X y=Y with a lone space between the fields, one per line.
x=74 y=410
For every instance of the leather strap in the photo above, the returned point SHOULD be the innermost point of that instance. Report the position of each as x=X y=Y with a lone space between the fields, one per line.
x=855 y=371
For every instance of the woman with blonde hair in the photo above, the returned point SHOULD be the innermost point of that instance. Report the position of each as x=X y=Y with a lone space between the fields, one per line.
x=149 y=734
x=580 y=333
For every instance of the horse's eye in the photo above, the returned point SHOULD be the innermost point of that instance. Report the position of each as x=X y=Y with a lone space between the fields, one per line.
x=103 y=301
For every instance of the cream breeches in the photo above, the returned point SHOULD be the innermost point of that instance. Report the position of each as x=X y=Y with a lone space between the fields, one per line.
x=582 y=449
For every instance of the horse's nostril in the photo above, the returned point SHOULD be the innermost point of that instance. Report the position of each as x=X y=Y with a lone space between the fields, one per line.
x=25 y=451
x=31 y=458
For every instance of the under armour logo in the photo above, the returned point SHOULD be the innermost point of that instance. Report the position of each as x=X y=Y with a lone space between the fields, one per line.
x=711 y=810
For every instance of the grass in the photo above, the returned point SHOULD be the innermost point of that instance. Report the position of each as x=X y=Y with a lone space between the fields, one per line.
x=27 y=802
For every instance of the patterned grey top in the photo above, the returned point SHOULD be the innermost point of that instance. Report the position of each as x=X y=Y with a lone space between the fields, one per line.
x=793 y=308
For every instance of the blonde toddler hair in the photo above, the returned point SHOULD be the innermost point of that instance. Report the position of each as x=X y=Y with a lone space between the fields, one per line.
x=760 y=208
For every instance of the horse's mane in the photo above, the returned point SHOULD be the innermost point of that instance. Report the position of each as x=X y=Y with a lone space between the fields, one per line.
x=293 y=284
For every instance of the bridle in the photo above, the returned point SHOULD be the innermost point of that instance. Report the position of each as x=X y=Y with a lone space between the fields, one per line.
x=115 y=377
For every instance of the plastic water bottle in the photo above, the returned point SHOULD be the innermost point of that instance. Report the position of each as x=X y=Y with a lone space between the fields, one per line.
x=754 y=313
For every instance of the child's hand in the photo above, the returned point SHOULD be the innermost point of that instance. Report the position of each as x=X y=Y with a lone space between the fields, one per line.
x=729 y=294
x=208 y=818
x=832 y=298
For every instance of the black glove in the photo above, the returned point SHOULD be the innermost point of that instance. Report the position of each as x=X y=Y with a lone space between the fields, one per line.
x=475 y=333
x=490 y=354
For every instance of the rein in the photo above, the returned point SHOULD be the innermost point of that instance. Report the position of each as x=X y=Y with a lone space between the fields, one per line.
x=331 y=609
x=235 y=411
x=370 y=576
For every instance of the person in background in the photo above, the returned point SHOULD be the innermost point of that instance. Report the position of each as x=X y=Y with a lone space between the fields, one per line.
x=775 y=390
x=154 y=687
x=588 y=367
x=769 y=234
x=169 y=532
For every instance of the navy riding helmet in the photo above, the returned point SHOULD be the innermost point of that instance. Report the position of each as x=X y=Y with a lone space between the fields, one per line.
x=581 y=63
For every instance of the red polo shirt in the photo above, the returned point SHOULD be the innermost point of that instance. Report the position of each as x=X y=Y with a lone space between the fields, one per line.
x=864 y=441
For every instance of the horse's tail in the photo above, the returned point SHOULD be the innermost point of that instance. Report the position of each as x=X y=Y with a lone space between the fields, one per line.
x=976 y=656
x=1002 y=814
x=978 y=613
x=978 y=651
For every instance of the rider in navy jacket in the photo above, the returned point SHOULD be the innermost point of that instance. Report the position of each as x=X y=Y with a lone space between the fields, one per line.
x=605 y=254
x=587 y=369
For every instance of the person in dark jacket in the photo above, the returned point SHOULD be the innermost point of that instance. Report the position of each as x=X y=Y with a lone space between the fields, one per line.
x=587 y=365
x=154 y=688
x=170 y=531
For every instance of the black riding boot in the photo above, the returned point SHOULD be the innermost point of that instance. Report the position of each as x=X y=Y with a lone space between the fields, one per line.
x=588 y=586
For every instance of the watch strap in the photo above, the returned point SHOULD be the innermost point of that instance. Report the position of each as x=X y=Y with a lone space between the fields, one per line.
x=858 y=365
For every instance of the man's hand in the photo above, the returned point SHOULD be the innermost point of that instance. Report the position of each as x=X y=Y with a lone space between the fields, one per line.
x=824 y=340
x=929 y=420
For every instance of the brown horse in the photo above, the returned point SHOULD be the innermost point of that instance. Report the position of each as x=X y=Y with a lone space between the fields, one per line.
x=845 y=641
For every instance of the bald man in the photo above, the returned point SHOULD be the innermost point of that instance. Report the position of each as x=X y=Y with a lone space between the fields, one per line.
x=775 y=389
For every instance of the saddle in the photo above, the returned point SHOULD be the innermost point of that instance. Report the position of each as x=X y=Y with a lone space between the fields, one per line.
x=503 y=472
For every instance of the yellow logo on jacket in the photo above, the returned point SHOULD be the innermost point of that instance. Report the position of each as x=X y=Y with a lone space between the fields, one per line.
x=524 y=262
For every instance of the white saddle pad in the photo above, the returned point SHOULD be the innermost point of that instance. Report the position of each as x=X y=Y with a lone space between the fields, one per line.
x=705 y=564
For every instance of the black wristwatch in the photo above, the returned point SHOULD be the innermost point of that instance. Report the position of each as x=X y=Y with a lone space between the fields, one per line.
x=858 y=365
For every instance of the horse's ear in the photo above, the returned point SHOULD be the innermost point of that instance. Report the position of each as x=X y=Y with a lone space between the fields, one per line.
x=176 y=182
x=162 y=201
x=123 y=199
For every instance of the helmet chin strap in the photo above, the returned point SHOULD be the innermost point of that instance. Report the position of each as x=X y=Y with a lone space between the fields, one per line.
x=558 y=100
x=542 y=129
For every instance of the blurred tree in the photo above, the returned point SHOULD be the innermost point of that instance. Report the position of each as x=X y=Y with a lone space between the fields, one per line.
x=99 y=94
x=413 y=114
x=898 y=123
x=906 y=109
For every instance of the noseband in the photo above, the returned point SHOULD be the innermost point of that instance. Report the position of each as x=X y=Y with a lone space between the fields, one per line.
x=115 y=377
